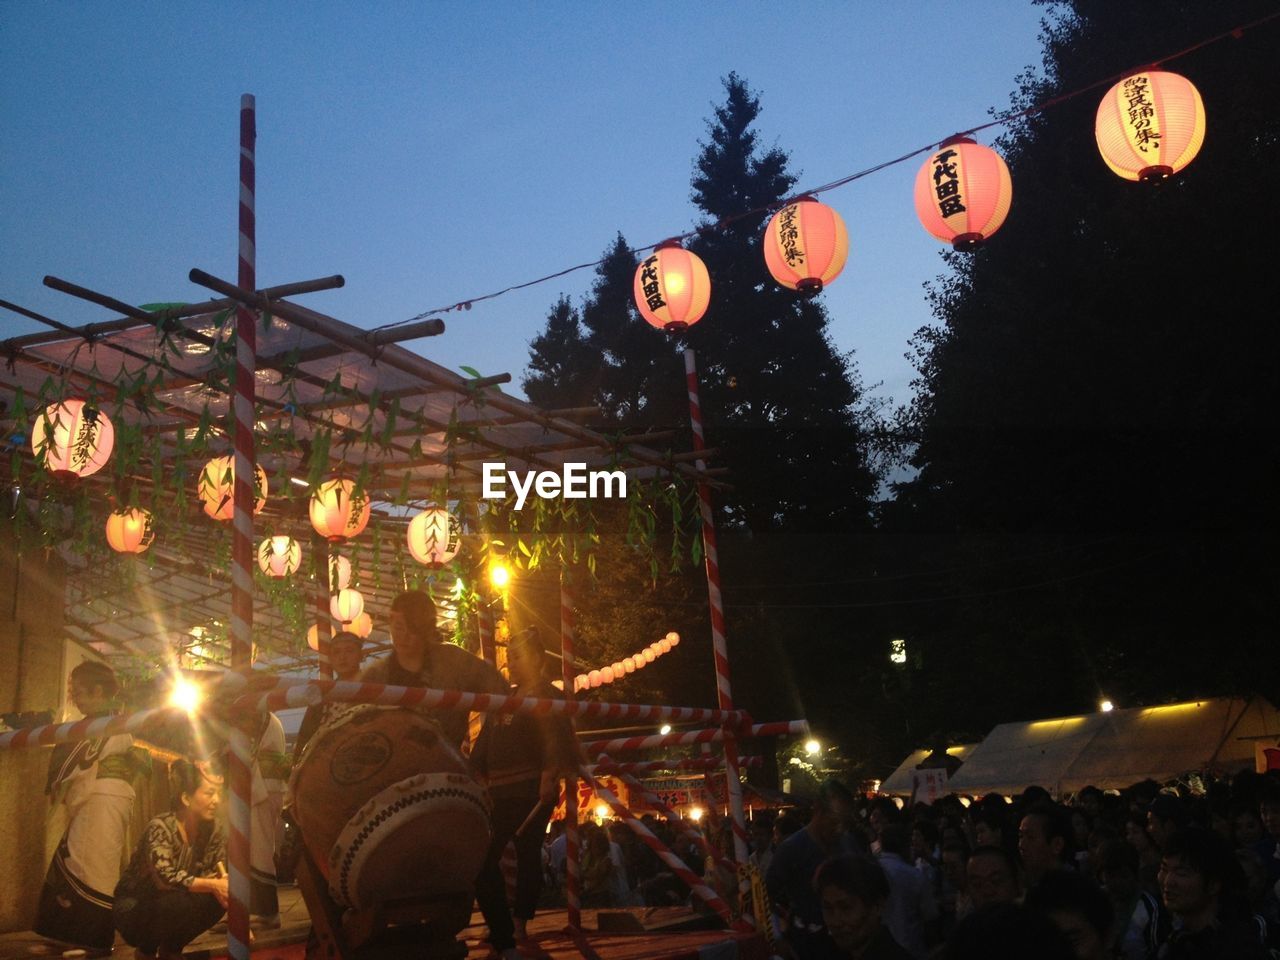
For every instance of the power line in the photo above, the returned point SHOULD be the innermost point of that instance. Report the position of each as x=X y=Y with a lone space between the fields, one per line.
x=1234 y=33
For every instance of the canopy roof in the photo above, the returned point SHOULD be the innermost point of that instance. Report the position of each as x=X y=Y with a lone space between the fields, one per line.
x=899 y=782
x=1119 y=748
x=412 y=430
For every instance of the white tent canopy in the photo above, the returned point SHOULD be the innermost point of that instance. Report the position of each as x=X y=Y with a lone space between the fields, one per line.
x=899 y=782
x=1119 y=748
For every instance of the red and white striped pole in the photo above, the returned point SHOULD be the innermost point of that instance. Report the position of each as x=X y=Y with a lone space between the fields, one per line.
x=724 y=693
x=240 y=757
x=572 y=868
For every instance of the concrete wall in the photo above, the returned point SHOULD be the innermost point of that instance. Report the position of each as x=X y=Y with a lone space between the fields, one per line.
x=32 y=677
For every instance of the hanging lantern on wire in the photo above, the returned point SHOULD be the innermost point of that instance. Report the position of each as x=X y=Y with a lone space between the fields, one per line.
x=1150 y=125
x=313 y=635
x=217 y=488
x=346 y=605
x=362 y=625
x=434 y=536
x=806 y=246
x=279 y=556
x=130 y=530
x=336 y=512
x=963 y=193
x=672 y=287
x=72 y=439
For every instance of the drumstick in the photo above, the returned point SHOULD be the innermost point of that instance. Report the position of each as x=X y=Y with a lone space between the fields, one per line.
x=534 y=814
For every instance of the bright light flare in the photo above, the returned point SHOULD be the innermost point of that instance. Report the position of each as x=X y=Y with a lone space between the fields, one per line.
x=812 y=747
x=602 y=811
x=499 y=575
x=1106 y=706
x=695 y=814
x=185 y=695
x=664 y=729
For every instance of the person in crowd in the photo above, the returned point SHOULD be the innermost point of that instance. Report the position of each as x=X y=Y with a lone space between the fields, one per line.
x=345 y=653
x=1202 y=886
x=925 y=853
x=1166 y=815
x=991 y=877
x=954 y=904
x=761 y=842
x=852 y=891
x=271 y=768
x=1081 y=912
x=1268 y=848
x=790 y=876
x=420 y=658
x=910 y=912
x=94 y=780
x=1007 y=931
x=1246 y=826
x=990 y=827
x=1135 y=834
x=1141 y=924
x=175 y=887
x=523 y=758
x=599 y=868
x=1044 y=841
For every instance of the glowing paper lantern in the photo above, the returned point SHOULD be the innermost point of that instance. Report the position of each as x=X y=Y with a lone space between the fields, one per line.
x=1150 y=125
x=963 y=193
x=313 y=636
x=672 y=287
x=806 y=245
x=130 y=530
x=628 y=665
x=339 y=573
x=594 y=678
x=217 y=488
x=648 y=655
x=336 y=513
x=434 y=536
x=606 y=675
x=72 y=439
x=362 y=625
x=673 y=637
x=279 y=556
x=346 y=605
x=664 y=645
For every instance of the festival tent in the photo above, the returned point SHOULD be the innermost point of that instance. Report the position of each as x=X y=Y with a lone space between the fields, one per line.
x=1119 y=748
x=899 y=783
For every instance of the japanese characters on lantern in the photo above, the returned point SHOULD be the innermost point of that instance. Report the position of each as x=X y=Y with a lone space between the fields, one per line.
x=1150 y=125
x=963 y=193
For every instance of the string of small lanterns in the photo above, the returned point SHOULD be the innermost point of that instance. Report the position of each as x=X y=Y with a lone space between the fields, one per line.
x=1149 y=126
x=627 y=665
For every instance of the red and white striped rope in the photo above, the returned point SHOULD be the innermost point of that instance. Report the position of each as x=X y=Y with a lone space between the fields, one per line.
x=720 y=647
x=688 y=763
x=674 y=863
x=572 y=866
x=241 y=622
x=656 y=803
x=780 y=728
x=86 y=729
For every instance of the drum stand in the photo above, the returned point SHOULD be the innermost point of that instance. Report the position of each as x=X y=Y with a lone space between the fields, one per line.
x=422 y=927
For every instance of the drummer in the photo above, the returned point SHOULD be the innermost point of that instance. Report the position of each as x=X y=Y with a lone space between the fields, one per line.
x=420 y=658
x=345 y=652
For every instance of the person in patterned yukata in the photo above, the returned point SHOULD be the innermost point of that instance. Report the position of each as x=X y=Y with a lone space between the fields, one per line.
x=175 y=888
x=94 y=780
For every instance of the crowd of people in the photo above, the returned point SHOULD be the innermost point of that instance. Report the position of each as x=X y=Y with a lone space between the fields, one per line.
x=1140 y=874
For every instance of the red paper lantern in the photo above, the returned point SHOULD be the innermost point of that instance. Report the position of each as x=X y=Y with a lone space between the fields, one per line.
x=1150 y=125
x=72 y=439
x=217 y=488
x=434 y=536
x=336 y=513
x=130 y=530
x=672 y=287
x=963 y=193
x=805 y=245
x=279 y=556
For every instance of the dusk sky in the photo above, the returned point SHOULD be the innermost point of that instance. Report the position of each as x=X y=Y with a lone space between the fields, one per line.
x=434 y=152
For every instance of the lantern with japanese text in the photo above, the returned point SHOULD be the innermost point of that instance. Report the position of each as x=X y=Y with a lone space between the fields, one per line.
x=130 y=530
x=72 y=439
x=806 y=245
x=338 y=513
x=361 y=626
x=279 y=556
x=217 y=486
x=963 y=193
x=434 y=536
x=346 y=605
x=1150 y=125
x=672 y=287
x=313 y=635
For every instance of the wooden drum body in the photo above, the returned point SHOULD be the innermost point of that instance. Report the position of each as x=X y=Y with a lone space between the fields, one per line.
x=387 y=809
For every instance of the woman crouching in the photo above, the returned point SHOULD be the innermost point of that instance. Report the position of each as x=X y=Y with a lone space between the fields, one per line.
x=172 y=890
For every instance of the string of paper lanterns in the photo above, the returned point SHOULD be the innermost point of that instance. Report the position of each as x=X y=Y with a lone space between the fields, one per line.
x=1149 y=126
x=620 y=668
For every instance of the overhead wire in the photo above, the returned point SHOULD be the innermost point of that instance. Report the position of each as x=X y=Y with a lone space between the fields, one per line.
x=1000 y=120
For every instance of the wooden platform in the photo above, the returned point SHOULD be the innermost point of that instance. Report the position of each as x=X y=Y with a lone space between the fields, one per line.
x=657 y=933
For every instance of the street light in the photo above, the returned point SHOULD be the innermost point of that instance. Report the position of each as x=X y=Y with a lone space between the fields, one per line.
x=664 y=729
x=1106 y=706
x=812 y=747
